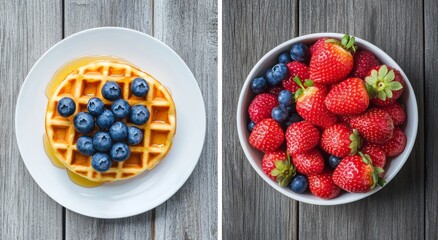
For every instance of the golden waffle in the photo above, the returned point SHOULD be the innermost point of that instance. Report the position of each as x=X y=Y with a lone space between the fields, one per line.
x=86 y=82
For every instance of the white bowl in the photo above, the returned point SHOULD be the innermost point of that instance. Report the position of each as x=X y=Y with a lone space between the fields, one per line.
x=147 y=190
x=255 y=157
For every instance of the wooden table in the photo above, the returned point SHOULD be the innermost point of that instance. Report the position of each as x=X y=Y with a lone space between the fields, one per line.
x=27 y=30
x=407 y=208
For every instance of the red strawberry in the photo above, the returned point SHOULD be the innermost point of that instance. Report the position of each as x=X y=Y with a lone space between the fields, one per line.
x=317 y=45
x=376 y=154
x=385 y=85
x=332 y=61
x=301 y=137
x=275 y=90
x=348 y=97
x=396 y=144
x=266 y=135
x=356 y=174
x=322 y=186
x=340 y=140
x=295 y=69
x=261 y=107
x=278 y=167
x=310 y=104
x=309 y=163
x=397 y=113
x=375 y=125
x=364 y=61
x=344 y=119
x=269 y=159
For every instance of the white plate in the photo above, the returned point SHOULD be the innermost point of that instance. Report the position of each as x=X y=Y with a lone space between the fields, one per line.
x=143 y=192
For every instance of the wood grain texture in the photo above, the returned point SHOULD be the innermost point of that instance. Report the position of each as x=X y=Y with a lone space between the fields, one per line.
x=84 y=14
x=431 y=73
x=190 y=28
x=27 y=30
x=397 y=211
x=251 y=208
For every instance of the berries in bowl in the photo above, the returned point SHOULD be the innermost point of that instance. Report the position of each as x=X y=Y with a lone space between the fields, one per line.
x=342 y=120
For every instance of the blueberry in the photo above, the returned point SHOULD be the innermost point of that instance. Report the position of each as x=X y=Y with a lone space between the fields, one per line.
x=299 y=52
x=120 y=108
x=284 y=57
x=85 y=145
x=118 y=131
x=66 y=107
x=111 y=91
x=139 y=87
x=102 y=141
x=279 y=114
x=285 y=98
x=294 y=117
x=101 y=162
x=299 y=184
x=334 y=161
x=105 y=120
x=95 y=106
x=135 y=135
x=277 y=74
x=83 y=122
x=139 y=114
x=251 y=126
x=292 y=108
x=259 y=85
x=119 y=152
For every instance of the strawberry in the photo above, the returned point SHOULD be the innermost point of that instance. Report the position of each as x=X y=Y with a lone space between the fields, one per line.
x=266 y=135
x=309 y=163
x=283 y=171
x=397 y=113
x=317 y=45
x=295 y=69
x=364 y=61
x=332 y=61
x=278 y=167
x=322 y=185
x=352 y=89
x=275 y=90
x=310 y=104
x=261 y=107
x=356 y=174
x=269 y=159
x=396 y=144
x=301 y=137
x=385 y=85
x=376 y=154
x=375 y=125
x=340 y=140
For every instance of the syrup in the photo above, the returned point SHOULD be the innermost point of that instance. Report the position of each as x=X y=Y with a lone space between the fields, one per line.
x=79 y=180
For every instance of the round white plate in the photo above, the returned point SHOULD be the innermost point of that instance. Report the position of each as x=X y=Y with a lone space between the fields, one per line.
x=151 y=188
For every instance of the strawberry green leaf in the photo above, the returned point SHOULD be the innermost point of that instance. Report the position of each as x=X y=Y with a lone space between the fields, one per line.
x=383 y=71
x=308 y=83
x=394 y=85
x=298 y=93
x=381 y=182
x=356 y=142
x=344 y=40
x=275 y=172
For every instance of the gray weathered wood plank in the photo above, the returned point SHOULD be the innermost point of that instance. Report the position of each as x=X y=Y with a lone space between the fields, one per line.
x=84 y=14
x=431 y=73
x=397 y=211
x=190 y=28
x=27 y=30
x=251 y=208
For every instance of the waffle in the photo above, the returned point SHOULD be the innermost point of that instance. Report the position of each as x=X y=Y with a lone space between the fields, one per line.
x=86 y=82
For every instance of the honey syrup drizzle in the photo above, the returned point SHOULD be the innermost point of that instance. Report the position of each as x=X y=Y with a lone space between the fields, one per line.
x=81 y=181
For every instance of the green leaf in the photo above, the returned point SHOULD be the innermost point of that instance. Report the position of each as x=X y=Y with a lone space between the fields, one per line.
x=381 y=95
x=388 y=93
x=275 y=172
x=331 y=40
x=308 y=83
x=381 y=182
x=378 y=170
x=390 y=76
x=298 y=93
x=394 y=86
x=370 y=90
x=345 y=39
x=375 y=180
x=350 y=43
x=383 y=71
x=279 y=164
x=374 y=74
